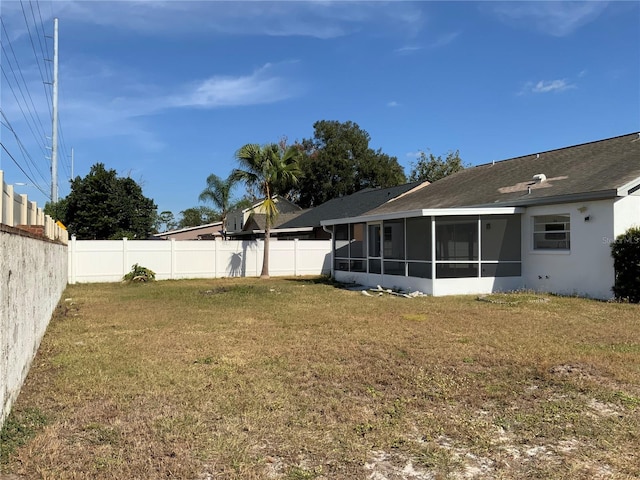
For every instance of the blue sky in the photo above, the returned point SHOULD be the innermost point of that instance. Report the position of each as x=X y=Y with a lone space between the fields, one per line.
x=167 y=91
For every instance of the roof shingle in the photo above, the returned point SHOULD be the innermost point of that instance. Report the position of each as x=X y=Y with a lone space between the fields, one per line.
x=599 y=167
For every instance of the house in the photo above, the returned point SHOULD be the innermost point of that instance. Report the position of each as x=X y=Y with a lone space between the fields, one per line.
x=305 y=224
x=209 y=231
x=543 y=221
x=237 y=219
x=255 y=225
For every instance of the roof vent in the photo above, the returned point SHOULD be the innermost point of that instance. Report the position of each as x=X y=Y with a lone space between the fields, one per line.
x=539 y=178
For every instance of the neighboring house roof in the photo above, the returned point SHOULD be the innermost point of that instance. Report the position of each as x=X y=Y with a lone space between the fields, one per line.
x=258 y=221
x=596 y=170
x=349 y=206
x=191 y=230
x=289 y=205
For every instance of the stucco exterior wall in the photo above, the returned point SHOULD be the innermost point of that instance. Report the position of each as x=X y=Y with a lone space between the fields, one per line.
x=626 y=214
x=34 y=275
x=587 y=268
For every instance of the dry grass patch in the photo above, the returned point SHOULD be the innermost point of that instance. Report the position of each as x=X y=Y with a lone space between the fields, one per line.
x=296 y=379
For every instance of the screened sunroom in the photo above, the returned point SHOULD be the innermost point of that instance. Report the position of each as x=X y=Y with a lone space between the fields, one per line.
x=439 y=252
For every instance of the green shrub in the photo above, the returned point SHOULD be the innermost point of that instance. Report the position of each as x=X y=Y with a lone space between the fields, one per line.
x=139 y=274
x=626 y=262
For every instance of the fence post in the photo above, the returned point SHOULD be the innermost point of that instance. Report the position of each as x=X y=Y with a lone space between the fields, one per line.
x=173 y=258
x=125 y=267
x=72 y=260
x=258 y=256
x=23 y=209
x=295 y=257
x=9 y=219
x=33 y=210
x=215 y=258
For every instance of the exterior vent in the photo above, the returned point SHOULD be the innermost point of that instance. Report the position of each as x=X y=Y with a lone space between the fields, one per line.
x=539 y=178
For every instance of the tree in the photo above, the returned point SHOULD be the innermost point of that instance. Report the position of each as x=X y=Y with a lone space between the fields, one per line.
x=218 y=191
x=166 y=221
x=104 y=206
x=196 y=216
x=431 y=168
x=57 y=210
x=245 y=202
x=338 y=161
x=271 y=170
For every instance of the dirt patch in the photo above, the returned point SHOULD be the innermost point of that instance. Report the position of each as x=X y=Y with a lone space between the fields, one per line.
x=385 y=466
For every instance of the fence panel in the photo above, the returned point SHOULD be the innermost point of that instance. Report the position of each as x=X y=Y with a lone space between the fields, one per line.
x=109 y=260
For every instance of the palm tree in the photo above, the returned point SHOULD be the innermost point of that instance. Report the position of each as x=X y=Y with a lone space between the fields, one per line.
x=218 y=192
x=271 y=170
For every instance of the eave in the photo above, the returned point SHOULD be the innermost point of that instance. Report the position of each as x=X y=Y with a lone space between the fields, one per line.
x=428 y=212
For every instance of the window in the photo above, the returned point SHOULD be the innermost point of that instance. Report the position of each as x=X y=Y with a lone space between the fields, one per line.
x=418 y=236
x=350 y=246
x=457 y=238
x=552 y=232
x=500 y=252
x=374 y=240
x=357 y=240
x=394 y=239
x=341 y=241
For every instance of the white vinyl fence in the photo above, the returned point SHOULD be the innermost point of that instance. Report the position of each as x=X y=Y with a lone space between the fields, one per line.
x=109 y=260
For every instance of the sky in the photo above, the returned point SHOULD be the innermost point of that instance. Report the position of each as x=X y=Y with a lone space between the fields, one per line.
x=167 y=91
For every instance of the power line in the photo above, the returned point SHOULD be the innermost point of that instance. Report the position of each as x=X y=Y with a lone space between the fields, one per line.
x=4 y=73
x=35 y=24
x=25 y=154
x=22 y=170
x=33 y=47
x=17 y=63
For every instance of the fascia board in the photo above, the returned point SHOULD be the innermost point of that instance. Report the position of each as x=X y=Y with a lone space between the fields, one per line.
x=632 y=186
x=436 y=212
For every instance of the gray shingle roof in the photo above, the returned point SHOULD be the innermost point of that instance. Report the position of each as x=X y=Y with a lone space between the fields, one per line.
x=257 y=221
x=597 y=168
x=348 y=206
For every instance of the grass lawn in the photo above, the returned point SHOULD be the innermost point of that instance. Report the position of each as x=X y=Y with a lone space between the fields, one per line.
x=298 y=379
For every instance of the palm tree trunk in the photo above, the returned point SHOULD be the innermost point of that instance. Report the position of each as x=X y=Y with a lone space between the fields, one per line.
x=267 y=234
x=265 y=258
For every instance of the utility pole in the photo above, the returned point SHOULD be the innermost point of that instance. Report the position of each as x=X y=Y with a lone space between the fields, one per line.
x=71 y=163
x=54 y=120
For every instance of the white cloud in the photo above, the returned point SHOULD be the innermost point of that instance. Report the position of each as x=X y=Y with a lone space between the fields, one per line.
x=543 y=86
x=393 y=104
x=111 y=103
x=408 y=49
x=260 y=87
x=439 y=42
x=445 y=39
x=284 y=18
x=414 y=154
x=557 y=18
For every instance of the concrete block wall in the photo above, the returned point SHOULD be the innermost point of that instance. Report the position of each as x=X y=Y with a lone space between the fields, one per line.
x=33 y=276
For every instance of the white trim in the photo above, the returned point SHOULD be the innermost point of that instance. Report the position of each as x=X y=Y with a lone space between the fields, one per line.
x=273 y=230
x=435 y=212
x=188 y=229
x=623 y=190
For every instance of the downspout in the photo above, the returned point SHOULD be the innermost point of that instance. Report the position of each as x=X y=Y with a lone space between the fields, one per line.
x=330 y=232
